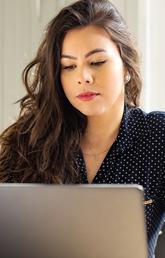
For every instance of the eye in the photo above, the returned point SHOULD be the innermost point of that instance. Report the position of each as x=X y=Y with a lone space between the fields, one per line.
x=68 y=67
x=98 y=63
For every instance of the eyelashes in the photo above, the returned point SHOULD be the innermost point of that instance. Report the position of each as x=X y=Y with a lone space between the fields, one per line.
x=98 y=63
x=71 y=67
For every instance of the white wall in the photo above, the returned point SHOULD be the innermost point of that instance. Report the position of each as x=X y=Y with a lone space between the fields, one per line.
x=156 y=55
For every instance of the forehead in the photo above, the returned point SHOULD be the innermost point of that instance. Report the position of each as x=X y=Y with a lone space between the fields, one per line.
x=85 y=39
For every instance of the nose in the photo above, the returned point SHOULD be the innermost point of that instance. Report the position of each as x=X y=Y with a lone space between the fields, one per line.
x=85 y=77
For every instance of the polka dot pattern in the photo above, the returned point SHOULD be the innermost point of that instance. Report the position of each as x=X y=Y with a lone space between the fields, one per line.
x=137 y=157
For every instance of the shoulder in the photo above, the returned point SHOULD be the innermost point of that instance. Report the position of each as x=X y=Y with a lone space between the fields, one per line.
x=149 y=127
x=154 y=120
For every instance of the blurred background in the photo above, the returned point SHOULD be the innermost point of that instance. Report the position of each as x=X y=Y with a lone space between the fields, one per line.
x=23 y=22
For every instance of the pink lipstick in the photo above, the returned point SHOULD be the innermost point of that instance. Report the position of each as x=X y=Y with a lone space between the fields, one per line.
x=86 y=96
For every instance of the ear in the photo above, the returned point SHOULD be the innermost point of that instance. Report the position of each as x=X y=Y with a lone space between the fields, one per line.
x=127 y=77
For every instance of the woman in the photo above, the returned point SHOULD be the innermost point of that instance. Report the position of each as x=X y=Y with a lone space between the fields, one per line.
x=80 y=121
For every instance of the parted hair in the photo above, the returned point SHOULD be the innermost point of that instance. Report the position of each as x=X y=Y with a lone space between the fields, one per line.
x=40 y=147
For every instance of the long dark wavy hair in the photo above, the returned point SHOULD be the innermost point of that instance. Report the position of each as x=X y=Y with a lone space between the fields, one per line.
x=41 y=145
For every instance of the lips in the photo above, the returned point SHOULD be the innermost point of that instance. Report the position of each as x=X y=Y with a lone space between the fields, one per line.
x=88 y=95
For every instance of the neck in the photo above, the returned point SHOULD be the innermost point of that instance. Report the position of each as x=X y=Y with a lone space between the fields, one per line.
x=102 y=130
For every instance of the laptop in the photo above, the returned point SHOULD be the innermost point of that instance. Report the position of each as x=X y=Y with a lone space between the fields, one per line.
x=72 y=221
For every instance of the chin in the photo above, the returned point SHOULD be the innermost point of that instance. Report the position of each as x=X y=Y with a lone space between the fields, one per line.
x=96 y=112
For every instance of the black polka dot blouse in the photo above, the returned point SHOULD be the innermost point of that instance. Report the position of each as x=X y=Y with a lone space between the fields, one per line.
x=137 y=157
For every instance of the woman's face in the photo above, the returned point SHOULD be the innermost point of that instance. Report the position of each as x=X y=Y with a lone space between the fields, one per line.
x=92 y=71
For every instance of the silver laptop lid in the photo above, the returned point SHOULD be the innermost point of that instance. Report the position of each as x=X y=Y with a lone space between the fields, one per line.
x=74 y=221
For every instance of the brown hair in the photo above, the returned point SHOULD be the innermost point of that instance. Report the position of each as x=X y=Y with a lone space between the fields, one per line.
x=41 y=145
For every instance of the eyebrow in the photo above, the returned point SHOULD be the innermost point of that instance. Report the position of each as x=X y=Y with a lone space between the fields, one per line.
x=97 y=50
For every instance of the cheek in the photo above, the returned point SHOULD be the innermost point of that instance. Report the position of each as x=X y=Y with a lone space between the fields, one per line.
x=66 y=77
x=114 y=83
x=115 y=75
